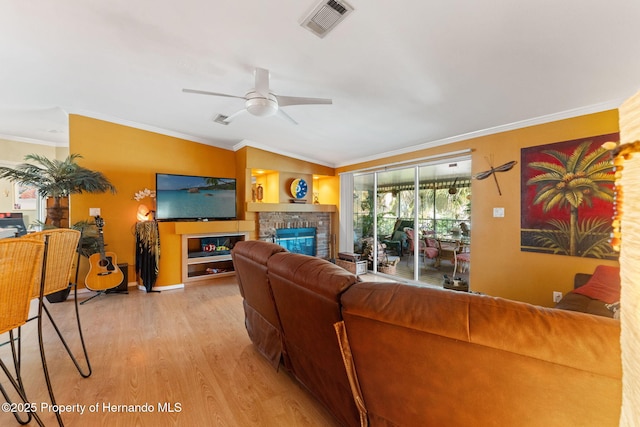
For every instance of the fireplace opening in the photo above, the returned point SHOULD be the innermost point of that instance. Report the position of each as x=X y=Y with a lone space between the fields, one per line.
x=297 y=240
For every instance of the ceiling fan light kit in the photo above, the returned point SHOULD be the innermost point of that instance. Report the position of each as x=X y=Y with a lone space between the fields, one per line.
x=260 y=101
x=260 y=106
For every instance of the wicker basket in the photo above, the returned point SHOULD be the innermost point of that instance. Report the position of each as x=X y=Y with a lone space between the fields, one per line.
x=387 y=269
x=357 y=268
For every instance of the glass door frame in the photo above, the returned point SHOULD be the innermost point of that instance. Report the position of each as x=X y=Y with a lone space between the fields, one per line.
x=350 y=198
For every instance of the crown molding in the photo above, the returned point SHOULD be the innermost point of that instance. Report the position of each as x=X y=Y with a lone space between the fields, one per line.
x=148 y=128
x=33 y=141
x=253 y=144
x=562 y=115
x=568 y=114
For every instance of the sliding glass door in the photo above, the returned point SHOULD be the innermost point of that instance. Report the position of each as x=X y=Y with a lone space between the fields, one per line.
x=399 y=214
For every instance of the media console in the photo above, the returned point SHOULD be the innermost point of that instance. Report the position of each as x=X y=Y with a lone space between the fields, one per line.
x=206 y=247
x=208 y=255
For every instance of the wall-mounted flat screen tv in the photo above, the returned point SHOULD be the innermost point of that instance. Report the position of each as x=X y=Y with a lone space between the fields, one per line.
x=194 y=198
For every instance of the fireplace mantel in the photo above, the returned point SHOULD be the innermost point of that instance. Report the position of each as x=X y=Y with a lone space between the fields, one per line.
x=289 y=207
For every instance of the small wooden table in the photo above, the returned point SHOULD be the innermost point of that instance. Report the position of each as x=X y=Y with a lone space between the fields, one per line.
x=447 y=251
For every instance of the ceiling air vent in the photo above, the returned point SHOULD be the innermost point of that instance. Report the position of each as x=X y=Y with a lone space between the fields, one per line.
x=221 y=118
x=325 y=16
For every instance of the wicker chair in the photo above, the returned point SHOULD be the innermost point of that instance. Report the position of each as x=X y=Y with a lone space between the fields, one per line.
x=61 y=249
x=20 y=264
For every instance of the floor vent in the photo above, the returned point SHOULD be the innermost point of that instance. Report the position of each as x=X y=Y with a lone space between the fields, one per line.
x=325 y=16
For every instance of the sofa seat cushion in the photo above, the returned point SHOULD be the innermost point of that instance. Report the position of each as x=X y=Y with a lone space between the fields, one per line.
x=431 y=252
x=577 y=302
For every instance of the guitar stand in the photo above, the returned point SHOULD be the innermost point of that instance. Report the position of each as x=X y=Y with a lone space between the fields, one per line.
x=108 y=291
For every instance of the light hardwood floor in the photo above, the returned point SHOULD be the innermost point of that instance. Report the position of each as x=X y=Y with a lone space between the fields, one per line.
x=185 y=348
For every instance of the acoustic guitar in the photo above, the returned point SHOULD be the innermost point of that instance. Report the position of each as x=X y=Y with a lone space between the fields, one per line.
x=104 y=272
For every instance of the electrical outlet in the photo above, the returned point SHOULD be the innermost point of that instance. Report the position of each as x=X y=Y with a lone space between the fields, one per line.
x=557 y=296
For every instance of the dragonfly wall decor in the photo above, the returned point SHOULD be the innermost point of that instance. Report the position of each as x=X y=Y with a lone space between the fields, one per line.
x=492 y=171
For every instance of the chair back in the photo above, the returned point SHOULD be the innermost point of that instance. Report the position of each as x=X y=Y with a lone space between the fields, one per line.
x=20 y=267
x=409 y=232
x=62 y=246
x=410 y=236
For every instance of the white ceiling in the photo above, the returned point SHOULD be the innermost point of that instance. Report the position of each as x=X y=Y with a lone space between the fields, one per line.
x=402 y=75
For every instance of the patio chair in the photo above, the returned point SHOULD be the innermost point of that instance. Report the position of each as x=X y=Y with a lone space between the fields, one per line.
x=425 y=250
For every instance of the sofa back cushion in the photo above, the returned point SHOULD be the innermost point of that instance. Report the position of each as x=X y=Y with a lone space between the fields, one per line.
x=307 y=293
x=261 y=317
x=426 y=356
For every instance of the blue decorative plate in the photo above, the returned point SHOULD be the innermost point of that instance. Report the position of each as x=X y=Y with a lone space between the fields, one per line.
x=299 y=188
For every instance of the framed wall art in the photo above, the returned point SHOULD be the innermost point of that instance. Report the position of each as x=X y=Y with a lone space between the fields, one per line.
x=567 y=191
x=24 y=197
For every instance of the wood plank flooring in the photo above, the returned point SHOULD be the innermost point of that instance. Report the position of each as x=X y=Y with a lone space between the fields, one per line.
x=187 y=350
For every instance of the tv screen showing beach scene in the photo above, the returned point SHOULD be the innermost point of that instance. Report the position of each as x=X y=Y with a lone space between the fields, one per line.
x=194 y=198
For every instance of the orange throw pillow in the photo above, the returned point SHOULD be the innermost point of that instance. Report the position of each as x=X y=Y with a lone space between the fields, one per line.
x=604 y=285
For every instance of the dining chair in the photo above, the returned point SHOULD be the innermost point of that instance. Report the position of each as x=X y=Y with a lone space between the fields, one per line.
x=20 y=269
x=61 y=249
x=425 y=250
x=463 y=260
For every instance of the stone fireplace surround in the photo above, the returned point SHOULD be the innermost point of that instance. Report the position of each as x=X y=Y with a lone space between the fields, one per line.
x=268 y=222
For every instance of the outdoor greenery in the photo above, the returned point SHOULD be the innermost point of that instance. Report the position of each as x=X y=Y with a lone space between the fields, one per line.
x=439 y=211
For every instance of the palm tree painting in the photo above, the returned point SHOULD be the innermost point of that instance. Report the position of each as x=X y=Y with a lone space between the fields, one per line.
x=567 y=198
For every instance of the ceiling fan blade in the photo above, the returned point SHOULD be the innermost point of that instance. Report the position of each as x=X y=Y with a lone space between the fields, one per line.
x=287 y=117
x=262 y=82
x=204 y=92
x=283 y=101
x=225 y=120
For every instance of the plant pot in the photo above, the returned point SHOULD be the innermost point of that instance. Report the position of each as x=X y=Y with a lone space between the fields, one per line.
x=59 y=296
x=58 y=215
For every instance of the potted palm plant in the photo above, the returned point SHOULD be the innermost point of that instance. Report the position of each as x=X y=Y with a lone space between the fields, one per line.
x=57 y=179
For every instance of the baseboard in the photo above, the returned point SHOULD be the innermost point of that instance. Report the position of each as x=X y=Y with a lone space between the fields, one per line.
x=163 y=288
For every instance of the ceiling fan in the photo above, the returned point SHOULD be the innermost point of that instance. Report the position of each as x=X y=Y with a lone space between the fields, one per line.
x=260 y=101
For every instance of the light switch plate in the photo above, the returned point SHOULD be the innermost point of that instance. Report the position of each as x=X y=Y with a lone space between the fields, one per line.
x=94 y=211
x=498 y=212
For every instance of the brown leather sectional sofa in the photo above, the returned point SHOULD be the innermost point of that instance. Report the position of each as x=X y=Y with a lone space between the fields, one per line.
x=291 y=303
x=411 y=355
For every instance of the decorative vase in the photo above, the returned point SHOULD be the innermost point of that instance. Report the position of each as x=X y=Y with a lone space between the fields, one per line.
x=259 y=193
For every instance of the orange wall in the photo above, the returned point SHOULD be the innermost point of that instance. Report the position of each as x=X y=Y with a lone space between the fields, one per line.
x=498 y=267
x=130 y=158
